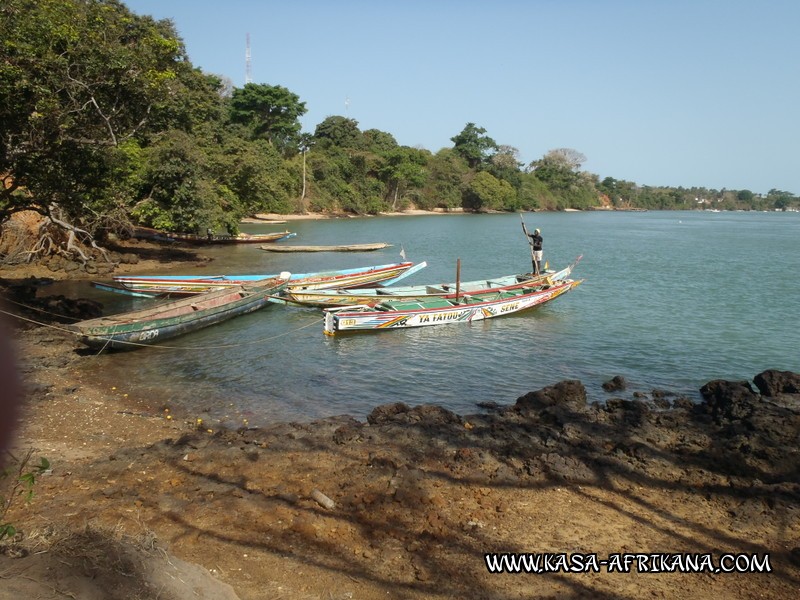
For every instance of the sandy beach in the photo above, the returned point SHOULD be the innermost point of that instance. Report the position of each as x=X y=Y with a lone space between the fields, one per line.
x=144 y=503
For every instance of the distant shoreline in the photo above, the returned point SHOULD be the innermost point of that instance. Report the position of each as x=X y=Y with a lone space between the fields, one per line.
x=280 y=218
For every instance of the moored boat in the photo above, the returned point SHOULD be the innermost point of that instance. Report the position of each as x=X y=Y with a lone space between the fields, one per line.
x=400 y=314
x=340 y=248
x=212 y=238
x=166 y=320
x=188 y=284
x=350 y=296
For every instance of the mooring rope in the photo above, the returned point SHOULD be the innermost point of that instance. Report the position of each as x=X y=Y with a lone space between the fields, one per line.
x=41 y=310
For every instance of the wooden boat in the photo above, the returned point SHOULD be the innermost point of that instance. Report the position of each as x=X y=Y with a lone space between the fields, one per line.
x=167 y=320
x=400 y=314
x=192 y=238
x=345 y=248
x=350 y=297
x=188 y=284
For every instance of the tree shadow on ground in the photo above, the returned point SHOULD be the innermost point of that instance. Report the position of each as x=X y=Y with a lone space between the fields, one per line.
x=422 y=494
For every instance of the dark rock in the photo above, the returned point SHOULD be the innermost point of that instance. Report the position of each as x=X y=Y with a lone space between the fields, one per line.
x=347 y=433
x=488 y=405
x=631 y=412
x=683 y=402
x=387 y=412
x=425 y=415
x=567 y=468
x=661 y=402
x=615 y=384
x=729 y=401
x=569 y=393
x=429 y=414
x=772 y=382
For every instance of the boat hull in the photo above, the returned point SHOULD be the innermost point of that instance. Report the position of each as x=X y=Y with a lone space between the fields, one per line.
x=153 y=325
x=178 y=285
x=352 y=297
x=401 y=315
x=204 y=240
x=341 y=248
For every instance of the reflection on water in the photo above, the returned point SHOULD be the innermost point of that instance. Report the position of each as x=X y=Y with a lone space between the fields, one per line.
x=670 y=301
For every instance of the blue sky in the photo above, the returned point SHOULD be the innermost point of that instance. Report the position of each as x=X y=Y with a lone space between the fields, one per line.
x=659 y=92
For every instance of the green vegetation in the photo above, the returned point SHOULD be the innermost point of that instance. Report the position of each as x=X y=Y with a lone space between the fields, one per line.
x=17 y=481
x=106 y=123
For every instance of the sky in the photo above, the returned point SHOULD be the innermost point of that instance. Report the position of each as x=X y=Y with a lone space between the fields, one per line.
x=672 y=93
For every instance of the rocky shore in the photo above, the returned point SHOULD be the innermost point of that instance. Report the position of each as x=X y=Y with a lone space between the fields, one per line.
x=406 y=504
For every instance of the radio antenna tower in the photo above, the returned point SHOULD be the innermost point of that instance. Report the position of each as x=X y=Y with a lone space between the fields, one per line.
x=248 y=76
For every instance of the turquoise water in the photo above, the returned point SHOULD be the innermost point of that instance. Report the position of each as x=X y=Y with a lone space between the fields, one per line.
x=670 y=300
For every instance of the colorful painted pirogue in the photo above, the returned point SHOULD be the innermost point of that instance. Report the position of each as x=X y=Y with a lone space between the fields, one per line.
x=139 y=285
x=350 y=297
x=169 y=319
x=398 y=314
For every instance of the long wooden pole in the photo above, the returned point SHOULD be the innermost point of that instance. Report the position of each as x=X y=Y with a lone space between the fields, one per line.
x=534 y=270
x=458 y=278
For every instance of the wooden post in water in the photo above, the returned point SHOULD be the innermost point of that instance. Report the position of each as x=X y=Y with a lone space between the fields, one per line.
x=458 y=279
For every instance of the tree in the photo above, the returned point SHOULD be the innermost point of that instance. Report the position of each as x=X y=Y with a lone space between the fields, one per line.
x=338 y=131
x=79 y=80
x=270 y=112
x=177 y=195
x=473 y=145
x=402 y=168
x=486 y=192
x=380 y=142
x=534 y=194
x=622 y=194
x=779 y=199
x=445 y=186
x=504 y=164
x=558 y=168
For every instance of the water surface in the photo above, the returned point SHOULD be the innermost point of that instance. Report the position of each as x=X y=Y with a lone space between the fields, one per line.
x=670 y=300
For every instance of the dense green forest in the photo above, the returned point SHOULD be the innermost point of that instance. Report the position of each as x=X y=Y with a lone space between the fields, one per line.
x=105 y=122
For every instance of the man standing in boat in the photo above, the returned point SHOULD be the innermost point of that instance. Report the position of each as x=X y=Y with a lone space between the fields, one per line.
x=536 y=246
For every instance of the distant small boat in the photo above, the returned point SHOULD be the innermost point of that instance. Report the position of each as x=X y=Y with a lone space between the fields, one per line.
x=170 y=319
x=154 y=285
x=401 y=314
x=343 y=248
x=193 y=238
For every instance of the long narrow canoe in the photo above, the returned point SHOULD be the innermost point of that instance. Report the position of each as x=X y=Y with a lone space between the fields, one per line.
x=192 y=238
x=398 y=314
x=167 y=320
x=344 y=248
x=188 y=284
x=350 y=297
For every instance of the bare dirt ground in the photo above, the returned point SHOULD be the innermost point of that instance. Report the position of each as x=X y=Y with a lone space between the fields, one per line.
x=143 y=504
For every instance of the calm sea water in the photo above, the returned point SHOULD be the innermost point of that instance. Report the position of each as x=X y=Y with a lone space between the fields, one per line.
x=670 y=300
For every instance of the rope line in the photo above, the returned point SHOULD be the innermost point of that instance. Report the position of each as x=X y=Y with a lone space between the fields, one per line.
x=216 y=347
x=41 y=310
